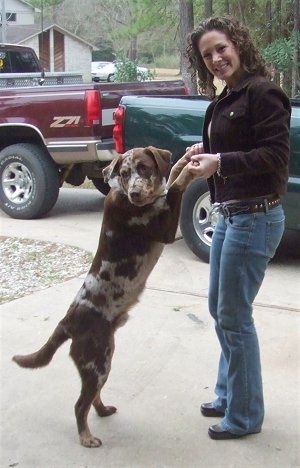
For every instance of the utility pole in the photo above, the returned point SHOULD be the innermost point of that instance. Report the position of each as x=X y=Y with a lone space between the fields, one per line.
x=3 y=21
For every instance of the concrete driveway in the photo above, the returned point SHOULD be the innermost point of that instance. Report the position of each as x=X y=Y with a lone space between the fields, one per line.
x=164 y=365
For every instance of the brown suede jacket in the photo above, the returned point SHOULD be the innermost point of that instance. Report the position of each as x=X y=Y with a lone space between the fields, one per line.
x=250 y=129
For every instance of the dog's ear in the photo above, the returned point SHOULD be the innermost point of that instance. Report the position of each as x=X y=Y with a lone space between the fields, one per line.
x=112 y=169
x=162 y=158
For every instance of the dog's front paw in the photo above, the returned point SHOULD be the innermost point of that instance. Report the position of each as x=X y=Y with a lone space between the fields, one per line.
x=90 y=441
x=183 y=179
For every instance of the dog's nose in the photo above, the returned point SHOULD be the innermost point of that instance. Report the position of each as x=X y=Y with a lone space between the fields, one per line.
x=135 y=196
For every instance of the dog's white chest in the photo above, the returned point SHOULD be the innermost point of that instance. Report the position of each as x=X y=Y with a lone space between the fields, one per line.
x=118 y=284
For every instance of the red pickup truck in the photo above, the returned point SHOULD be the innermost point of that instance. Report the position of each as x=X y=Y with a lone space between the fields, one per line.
x=52 y=134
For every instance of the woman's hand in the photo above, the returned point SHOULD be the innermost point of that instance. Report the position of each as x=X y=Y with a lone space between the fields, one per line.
x=192 y=165
x=203 y=165
x=195 y=149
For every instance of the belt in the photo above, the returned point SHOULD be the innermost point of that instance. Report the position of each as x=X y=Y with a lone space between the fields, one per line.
x=253 y=205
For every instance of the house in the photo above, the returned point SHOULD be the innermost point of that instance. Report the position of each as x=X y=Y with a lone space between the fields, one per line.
x=58 y=49
x=18 y=12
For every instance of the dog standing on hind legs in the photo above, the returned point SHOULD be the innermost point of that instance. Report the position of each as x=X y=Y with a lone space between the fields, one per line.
x=141 y=214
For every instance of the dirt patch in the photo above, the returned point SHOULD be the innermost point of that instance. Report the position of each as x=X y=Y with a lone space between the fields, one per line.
x=30 y=265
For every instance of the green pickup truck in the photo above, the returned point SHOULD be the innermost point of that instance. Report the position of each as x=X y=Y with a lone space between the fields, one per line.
x=174 y=123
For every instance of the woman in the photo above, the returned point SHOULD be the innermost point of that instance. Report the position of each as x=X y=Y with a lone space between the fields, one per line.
x=244 y=156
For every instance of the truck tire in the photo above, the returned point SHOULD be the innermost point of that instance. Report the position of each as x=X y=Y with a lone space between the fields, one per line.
x=29 y=181
x=100 y=185
x=198 y=220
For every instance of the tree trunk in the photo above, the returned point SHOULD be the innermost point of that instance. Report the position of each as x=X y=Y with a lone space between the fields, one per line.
x=133 y=48
x=268 y=36
x=279 y=20
x=208 y=10
x=186 y=24
x=226 y=7
x=133 y=36
x=296 y=58
x=241 y=8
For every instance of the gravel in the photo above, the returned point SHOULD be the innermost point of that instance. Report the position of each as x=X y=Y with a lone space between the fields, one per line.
x=30 y=265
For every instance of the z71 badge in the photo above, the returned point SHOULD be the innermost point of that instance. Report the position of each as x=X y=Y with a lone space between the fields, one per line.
x=65 y=121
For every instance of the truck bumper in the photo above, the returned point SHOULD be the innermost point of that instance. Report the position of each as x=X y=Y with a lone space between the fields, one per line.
x=106 y=150
x=82 y=151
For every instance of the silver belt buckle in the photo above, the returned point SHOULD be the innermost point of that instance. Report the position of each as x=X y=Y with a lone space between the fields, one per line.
x=221 y=208
x=266 y=205
x=226 y=210
x=216 y=208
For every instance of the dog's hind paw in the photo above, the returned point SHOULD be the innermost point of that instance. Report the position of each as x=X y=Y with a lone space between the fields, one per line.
x=104 y=411
x=90 y=441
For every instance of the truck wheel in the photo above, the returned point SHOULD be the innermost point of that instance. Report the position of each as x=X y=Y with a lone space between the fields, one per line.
x=111 y=77
x=100 y=185
x=29 y=181
x=197 y=221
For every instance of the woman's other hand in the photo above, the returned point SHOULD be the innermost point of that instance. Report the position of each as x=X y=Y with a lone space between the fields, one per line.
x=203 y=165
x=197 y=148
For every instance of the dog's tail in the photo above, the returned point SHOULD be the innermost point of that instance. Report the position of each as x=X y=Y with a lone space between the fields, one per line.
x=42 y=357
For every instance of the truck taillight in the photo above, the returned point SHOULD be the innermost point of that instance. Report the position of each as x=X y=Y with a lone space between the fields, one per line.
x=92 y=108
x=186 y=89
x=118 y=131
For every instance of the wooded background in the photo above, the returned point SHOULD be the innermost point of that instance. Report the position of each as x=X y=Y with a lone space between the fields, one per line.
x=154 y=32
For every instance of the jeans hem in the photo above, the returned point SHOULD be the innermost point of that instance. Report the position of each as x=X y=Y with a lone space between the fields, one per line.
x=226 y=427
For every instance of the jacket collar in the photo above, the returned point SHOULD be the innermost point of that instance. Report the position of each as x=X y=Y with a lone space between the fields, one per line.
x=241 y=85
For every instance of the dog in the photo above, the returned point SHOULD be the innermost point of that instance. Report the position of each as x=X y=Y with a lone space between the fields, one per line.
x=141 y=213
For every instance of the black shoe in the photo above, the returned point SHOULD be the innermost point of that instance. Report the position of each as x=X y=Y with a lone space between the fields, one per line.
x=216 y=432
x=209 y=411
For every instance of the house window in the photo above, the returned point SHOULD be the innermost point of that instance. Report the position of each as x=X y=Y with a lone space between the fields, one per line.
x=11 y=17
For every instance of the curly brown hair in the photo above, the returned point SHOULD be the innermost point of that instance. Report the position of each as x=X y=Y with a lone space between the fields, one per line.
x=250 y=57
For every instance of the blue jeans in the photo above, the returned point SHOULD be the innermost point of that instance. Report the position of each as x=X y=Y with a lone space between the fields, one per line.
x=242 y=247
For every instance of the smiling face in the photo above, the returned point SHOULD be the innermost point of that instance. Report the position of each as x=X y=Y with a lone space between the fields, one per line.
x=221 y=57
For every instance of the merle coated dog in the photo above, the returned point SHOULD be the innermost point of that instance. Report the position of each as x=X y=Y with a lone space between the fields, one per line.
x=141 y=214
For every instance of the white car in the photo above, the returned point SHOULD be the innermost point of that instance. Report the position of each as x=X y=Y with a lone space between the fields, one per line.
x=95 y=66
x=107 y=72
